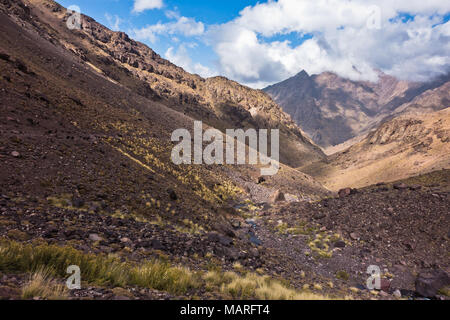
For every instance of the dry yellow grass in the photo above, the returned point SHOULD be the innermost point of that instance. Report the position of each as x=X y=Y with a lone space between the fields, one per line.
x=42 y=286
x=265 y=288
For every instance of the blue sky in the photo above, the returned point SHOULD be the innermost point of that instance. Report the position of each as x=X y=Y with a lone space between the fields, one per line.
x=209 y=12
x=262 y=42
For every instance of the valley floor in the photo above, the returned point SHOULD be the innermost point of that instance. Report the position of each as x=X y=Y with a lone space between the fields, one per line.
x=297 y=250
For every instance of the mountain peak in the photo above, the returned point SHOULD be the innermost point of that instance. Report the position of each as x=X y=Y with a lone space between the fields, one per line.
x=311 y=101
x=302 y=74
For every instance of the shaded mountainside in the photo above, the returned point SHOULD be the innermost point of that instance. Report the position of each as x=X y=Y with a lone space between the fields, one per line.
x=405 y=146
x=69 y=128
x=332 y=109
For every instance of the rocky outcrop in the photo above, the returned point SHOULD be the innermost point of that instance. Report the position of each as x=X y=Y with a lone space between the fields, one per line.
x=332 y=110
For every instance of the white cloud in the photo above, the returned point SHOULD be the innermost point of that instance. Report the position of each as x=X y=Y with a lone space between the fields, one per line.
x=142 y=5
x=113 y=21
x=343 y=40
x=183 y=26
x=181 y=58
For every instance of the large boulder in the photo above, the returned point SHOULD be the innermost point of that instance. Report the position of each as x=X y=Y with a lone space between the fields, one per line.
x=277 y=196
x=223 y=240
x=429 y=282
x=400 y=186
x=346 y=192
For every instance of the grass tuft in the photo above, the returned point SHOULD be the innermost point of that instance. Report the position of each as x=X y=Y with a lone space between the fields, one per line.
x=161 y=276
x=155 y=274
x=42 y=286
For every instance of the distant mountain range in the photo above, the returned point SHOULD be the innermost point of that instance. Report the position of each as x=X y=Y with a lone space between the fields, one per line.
x=332 y=109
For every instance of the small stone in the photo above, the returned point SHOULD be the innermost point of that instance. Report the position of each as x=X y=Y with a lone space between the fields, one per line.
x=397 y=294
x=385 y=285
x=384 y=294
x=156 y=244
x=344 y=192
x=319 y=216
x=125 y=240
x=400 y=186
x=236 y=224
x=277 y=196
x=354 y=236
x=339 y=244
x=251 y=222
x=95 y=237
x=255 y=240
x=254 y=252
x=15 y=154
x=77 y=202
x=172 y=195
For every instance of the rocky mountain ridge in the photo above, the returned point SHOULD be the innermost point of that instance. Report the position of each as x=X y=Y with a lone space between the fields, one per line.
x=219 y=102
x=332 y=109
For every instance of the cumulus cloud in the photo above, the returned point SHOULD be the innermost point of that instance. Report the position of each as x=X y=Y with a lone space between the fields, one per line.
x=351 y=38
x=183 y=26
x=181 y=58
x=113 y=21
x=142 y=5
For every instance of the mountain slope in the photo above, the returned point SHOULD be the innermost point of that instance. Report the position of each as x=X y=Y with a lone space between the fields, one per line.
x=405 y=146
x=218 y=102
x=86 y=173
x=333 y=110
x=79 y=131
